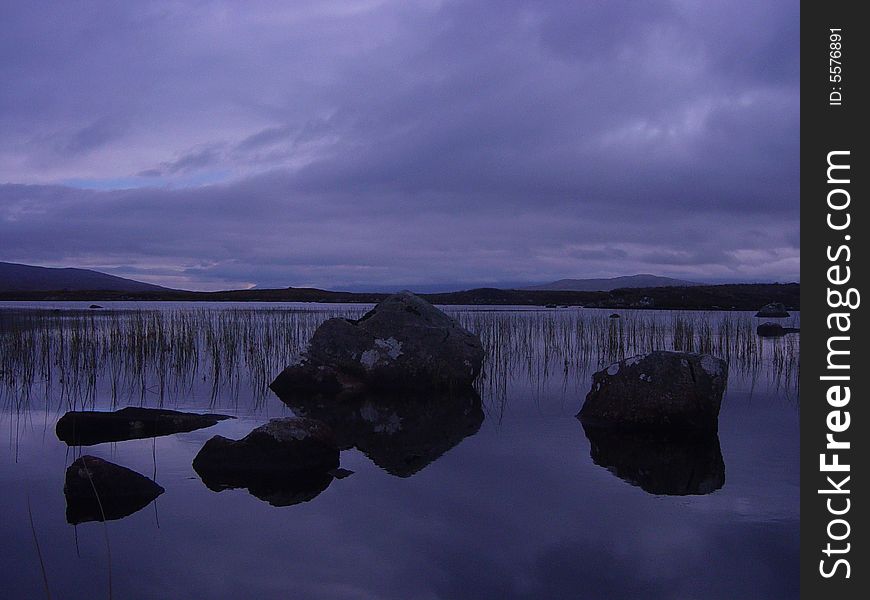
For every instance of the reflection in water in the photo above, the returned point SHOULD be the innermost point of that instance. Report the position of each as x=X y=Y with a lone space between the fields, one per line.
x=97 y=490
x=278 y=488
x=659 y=462
x=401 y=435
x=450 y=532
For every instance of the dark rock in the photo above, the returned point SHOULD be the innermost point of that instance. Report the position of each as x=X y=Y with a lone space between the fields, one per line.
x=308 y=378
x=660 y=462
x=774 y=310
x=404 y=343
x=400 y=434
x=678 y=390
x=614 y=316
x=341 y=473
x=97 y=490
x=86 y=428
x=769 y=329
x=95 y=306
x=285 y=456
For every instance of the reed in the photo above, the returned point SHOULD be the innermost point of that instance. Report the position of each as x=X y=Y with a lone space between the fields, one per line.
x=158 y=356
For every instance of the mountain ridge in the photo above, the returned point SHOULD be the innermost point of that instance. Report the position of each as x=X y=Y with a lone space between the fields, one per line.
x=641 y=280
x=17 y=277
x=70 y=284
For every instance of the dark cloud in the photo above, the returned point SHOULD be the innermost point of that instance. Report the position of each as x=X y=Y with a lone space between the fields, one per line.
x=194 y=160
x=266 y=137
x=91 y=137
x=356 y=143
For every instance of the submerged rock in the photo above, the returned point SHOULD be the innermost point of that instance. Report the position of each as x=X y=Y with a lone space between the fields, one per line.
x=86 y=428
x=400 y=434
x=662 y=463
x=97 y=490
x=769 y=329
x=288 y=457
x=774 y=310
x=678 y=390
x=403 y=343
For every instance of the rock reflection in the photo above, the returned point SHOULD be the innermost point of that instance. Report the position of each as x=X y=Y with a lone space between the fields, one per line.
x=661 y=463
x=97 y=490
x=400 y=434
x=276 y=488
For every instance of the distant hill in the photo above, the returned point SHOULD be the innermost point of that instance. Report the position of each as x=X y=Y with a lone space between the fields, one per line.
x=27 y=278
x=748 y=296
x=607 y=285
x=25 y=282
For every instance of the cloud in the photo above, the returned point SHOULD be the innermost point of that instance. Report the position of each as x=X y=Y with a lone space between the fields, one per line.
x=375 y=143
x=194 y=160
x=90 y=137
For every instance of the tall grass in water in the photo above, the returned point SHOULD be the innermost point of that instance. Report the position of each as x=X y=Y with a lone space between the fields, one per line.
x=158 y=356
x=570 y=344
x=148 y=355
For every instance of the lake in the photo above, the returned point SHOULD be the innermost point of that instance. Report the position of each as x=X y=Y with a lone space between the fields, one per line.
x=508 y=499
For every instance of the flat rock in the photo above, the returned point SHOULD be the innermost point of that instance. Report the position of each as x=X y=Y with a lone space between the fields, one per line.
x=403 y=343
x=769 y=329
x=97 y=490
x=86 y=428
x=676 y=390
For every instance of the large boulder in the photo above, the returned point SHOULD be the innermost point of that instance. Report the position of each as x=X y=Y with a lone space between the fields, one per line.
x=86 y=428
x=659 y=390
x=404 y=343
x=289 y=449
x=97 y=490
x=774 y=310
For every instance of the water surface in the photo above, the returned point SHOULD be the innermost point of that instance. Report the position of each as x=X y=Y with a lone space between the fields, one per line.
x=505 y=504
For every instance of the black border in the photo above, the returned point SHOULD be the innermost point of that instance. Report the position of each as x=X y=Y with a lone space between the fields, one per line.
x=826 y=128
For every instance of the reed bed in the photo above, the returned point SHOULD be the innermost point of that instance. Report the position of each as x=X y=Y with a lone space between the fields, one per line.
x=137 y=355
x=70 y=358
x=570 y=344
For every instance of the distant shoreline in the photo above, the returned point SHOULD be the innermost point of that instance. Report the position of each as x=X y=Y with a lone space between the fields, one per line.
x=702 y=297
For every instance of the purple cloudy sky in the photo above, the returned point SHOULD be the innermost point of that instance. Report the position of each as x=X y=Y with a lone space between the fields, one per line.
x=347 y=144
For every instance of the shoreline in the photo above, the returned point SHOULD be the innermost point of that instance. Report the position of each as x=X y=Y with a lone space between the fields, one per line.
x=712 y=297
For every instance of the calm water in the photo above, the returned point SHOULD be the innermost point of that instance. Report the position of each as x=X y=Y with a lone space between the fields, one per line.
x=512 y=506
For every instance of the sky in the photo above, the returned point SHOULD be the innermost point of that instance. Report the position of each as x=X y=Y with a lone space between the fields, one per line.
x=363 y=144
